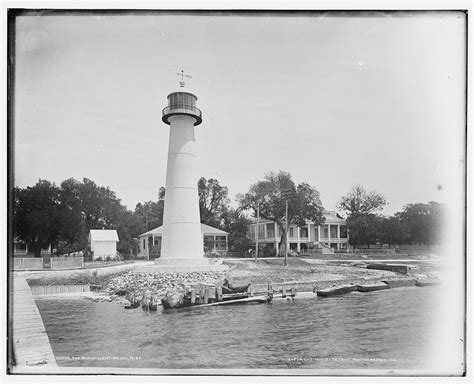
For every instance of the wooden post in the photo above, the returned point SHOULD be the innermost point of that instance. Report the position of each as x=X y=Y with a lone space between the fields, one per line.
x=286 y=235
x=250 y=291
x=219 y=293
x=193 y=296
x=283 y=291
x=256 y=232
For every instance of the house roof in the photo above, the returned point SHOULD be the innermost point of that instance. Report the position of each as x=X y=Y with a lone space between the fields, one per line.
x=330 y=216
x=205 y=230
x=103 y=235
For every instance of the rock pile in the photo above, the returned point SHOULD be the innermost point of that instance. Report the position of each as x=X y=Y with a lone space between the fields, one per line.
x=143 y=288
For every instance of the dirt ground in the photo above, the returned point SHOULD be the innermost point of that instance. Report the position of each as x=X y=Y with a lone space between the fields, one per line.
x=308 y=274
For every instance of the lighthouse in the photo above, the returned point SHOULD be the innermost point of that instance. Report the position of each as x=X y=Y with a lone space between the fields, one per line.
x=182 y=240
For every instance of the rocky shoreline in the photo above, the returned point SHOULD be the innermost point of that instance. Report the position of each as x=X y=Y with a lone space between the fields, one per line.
x=145 y=288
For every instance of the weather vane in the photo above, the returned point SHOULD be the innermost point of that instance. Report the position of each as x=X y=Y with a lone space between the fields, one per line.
x=183 y=75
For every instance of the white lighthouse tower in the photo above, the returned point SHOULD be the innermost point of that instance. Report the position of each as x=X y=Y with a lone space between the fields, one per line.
x=182 y=241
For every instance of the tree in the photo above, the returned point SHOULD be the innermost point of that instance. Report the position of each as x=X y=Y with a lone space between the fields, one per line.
x=364 y=229
x=85 y=206
x=234 y=222
x=270 y=195
x=36 y=218
x=45 y=214
x=363 y=224
x=213 y=201
x=392 y=231
x=360 y=201
x=423 y=223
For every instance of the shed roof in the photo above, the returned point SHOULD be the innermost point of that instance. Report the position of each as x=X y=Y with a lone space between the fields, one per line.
x=103 y=235
x=205 y=230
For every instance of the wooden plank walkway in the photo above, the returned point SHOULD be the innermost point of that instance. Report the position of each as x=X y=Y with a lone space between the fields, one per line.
x=31 y=345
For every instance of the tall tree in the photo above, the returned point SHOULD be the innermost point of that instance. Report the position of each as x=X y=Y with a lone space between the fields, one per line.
x=360 y=201
x=392 y=231
x=365 y=229
x=270 y=195
x=213 y=201
x=235 y=222
x=363 y=224
x=424 y=223
x=36 y=215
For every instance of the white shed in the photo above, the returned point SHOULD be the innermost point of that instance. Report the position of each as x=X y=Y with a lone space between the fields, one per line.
x=103 y=243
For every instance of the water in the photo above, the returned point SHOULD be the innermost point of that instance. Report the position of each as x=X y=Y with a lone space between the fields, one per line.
x=390 y=329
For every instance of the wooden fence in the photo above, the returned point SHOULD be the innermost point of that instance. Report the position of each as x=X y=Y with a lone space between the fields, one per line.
x=67 y=262
x=37 y=263
x=55 y=289
x=27 y=263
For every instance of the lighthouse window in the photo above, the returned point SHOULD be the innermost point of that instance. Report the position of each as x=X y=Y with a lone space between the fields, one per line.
x=182 y=99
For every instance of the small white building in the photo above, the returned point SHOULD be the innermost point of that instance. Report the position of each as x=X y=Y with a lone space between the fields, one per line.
x=103 y=243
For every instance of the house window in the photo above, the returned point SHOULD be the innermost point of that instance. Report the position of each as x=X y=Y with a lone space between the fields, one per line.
x=343 y=232
x=270 y=230
x=209 y=242
x=325 y=232
x=261 y=231
x=316 y=233
x=220 y=243
x=333 y=231
x=304 y=232
x=144 y=244
x=292 y=232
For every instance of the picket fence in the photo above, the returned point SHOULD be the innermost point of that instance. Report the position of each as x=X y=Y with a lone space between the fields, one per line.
x=37 y=263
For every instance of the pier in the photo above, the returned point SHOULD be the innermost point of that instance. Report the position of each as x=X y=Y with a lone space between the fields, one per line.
x=30 y=342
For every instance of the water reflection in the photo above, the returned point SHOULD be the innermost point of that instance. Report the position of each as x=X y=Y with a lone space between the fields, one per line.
x=379 y=330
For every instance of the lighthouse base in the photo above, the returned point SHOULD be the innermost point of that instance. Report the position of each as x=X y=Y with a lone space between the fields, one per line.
x=183 y=265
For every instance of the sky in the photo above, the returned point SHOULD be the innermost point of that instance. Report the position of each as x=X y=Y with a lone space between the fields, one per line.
x=336 y=100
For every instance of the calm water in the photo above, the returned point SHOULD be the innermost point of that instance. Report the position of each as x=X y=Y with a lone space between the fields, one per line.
x=381 y=330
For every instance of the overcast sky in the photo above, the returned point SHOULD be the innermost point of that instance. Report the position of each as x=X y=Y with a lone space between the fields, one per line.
x=335 y=101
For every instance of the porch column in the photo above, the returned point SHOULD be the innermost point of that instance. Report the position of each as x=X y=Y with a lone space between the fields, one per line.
x=214 y=243
x=226 y=243
x=298 y=246
x=329 y=234
x=319 y=233
x=338 y=236
x=276 y=239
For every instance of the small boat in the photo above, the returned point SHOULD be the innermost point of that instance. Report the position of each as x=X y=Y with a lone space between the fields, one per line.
x=400 y=283
x=248 y=300
x=372 y=287
x=333 y=291
x=427 y=282
x=227 y=288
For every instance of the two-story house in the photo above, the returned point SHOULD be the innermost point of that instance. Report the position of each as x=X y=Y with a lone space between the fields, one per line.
x=332 y=234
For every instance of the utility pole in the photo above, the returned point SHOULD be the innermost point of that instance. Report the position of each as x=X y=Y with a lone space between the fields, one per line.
x=287 y=193
x=256 y=231
x=286 y=232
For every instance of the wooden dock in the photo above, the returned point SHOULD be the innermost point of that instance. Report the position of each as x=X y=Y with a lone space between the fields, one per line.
x=30 y=342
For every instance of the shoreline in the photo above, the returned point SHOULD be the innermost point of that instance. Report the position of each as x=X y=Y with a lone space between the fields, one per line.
x=306 y=276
